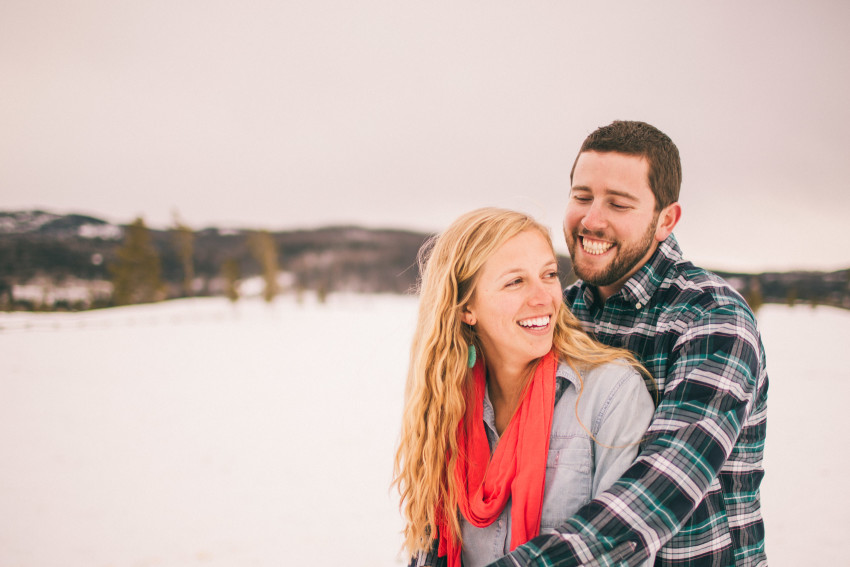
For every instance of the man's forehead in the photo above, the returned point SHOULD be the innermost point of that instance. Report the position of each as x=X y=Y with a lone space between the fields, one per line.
x=611 y=172
x=621 y=159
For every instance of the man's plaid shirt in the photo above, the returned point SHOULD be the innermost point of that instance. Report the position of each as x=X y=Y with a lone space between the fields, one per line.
x=692 y=495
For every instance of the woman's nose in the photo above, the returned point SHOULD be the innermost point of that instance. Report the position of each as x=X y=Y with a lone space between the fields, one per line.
x=539 y=294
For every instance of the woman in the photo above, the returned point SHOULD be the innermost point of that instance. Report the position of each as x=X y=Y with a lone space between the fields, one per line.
x=514 y=417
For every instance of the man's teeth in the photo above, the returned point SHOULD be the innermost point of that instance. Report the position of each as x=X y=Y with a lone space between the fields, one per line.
x=595 y=247
x=536 y=322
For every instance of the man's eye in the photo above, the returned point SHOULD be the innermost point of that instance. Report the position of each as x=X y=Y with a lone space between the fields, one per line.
x=620 y=207
x=581 y=198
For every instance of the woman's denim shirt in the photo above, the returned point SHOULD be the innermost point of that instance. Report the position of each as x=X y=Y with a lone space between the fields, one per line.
x=616 y=407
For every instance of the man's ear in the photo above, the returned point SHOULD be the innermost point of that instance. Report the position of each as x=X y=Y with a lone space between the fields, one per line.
x=668 y=218
x=467 y=317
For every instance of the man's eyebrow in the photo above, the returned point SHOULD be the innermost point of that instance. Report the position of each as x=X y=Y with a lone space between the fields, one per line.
x=614 y=192
x=623 y=194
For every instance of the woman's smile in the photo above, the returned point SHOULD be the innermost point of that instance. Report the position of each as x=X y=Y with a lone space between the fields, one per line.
x=538 y=324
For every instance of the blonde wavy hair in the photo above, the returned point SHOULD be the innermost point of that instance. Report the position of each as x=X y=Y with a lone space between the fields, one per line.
x=438 y=376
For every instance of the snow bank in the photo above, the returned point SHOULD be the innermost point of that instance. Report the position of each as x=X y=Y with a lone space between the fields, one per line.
x=196 y=432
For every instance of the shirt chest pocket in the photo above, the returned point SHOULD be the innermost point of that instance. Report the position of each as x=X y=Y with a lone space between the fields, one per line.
x=569 y=480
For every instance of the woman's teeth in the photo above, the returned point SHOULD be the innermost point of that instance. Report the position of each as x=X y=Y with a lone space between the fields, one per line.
x=595 y=247
x=535 y=322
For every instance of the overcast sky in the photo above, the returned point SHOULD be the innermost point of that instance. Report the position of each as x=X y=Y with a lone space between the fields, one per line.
x=405 y=114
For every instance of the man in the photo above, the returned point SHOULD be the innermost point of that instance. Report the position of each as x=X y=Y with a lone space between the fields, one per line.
x=692 y=495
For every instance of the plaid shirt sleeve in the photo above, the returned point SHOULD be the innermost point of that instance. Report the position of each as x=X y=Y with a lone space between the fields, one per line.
x=428 y=558
x=712 y=380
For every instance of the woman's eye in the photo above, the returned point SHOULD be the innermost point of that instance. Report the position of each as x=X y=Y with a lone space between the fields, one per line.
x=514 y=282
x=552 y=275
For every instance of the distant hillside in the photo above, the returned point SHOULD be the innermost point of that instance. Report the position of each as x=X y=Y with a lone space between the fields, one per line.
x=63 y=261
x=792 y=288
x=45 y=247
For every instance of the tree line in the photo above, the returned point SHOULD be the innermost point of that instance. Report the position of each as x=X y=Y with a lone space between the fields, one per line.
x=146 y=265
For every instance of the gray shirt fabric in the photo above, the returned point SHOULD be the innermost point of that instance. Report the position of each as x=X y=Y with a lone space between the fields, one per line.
x=615 y=407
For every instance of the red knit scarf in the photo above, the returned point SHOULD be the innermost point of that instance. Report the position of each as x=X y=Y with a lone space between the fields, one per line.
x=517 y=469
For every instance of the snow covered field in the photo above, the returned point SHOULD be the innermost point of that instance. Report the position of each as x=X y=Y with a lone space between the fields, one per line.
x=195 y=432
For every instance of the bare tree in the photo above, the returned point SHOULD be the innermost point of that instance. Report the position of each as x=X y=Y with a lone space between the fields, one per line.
x=263 y=249
x=231 y=275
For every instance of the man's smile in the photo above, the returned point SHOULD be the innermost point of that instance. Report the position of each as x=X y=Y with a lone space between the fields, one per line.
x=594 y=247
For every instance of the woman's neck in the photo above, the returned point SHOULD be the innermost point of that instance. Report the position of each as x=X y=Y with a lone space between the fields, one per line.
x=505 y=386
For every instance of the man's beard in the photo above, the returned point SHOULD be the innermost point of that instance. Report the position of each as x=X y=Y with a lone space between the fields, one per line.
x=623 y=263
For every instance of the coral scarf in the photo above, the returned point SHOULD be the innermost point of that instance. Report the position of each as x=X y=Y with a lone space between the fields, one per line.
x=517 y=469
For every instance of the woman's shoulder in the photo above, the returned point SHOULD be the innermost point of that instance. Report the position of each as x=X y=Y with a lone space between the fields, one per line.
x=606 y=385
x=611 y=389
x=603 y=377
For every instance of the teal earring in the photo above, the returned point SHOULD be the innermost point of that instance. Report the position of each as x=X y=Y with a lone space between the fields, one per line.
x=471 y=361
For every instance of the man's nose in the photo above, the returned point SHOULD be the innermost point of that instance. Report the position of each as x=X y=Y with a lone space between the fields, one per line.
x=594 y=219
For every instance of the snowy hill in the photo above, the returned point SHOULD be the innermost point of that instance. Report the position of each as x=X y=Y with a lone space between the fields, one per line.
x=58 y=226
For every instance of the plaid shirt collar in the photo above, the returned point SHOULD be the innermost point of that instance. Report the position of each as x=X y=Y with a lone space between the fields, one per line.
x=639 y=288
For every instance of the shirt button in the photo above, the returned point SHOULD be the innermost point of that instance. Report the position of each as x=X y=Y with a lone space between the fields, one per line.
x=638 y=305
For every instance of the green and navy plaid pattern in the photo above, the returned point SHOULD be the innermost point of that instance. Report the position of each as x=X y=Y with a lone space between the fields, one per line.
x=692 y=496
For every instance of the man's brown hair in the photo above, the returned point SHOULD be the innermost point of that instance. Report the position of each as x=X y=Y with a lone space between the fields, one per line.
x=641 y=139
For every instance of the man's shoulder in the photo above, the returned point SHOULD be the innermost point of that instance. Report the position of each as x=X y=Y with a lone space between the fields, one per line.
x=683 y=285
x=683 y=289
x=689 y=286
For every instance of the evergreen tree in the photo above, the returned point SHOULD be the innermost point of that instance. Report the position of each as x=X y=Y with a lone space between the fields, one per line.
x=137 y=270
x=184 y=241
x=263 y=249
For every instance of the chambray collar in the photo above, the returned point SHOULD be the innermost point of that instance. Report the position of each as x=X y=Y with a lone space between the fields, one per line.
x=564 y=376
x=639 y=288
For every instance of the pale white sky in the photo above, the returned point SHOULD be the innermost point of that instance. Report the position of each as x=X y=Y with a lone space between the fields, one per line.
x=405 y=114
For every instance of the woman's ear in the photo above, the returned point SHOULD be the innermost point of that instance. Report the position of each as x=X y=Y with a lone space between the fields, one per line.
x=467 y=317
